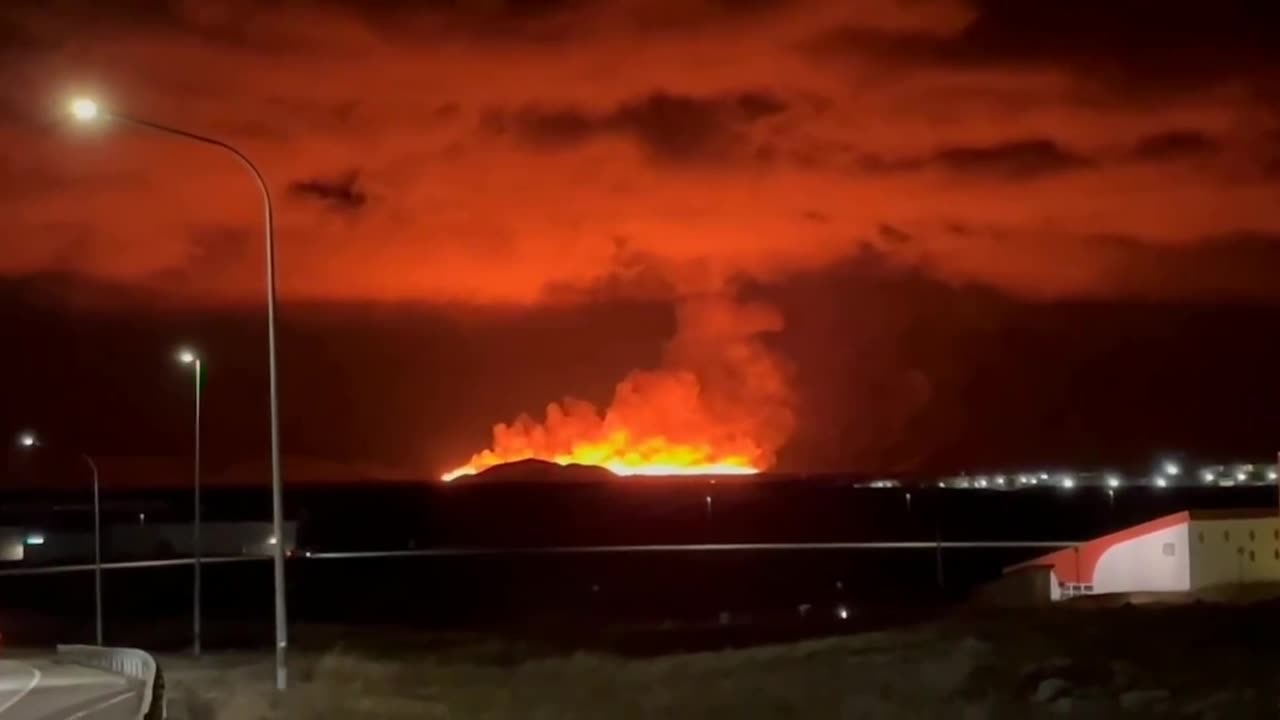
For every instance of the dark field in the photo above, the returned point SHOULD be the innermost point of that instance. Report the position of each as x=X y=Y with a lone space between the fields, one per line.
x=624 y=602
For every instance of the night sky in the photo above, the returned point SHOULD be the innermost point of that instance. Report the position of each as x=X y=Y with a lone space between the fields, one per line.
x=963 y=234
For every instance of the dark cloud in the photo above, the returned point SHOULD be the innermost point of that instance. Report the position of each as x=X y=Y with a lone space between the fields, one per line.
x=1236 y=265
x=1014 y=160
x=678 y=127
x=340 y=193
x=1271 y=155
x=1011 y=160
x=669 y=126
x=893 y=235
x=1175 y=145
x=552 y=129
x=1141 y=45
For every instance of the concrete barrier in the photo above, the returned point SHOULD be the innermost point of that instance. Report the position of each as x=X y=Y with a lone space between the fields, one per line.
x=131 y=663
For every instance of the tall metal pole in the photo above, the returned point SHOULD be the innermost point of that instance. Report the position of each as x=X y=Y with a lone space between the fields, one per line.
x=277 y=491
x=97 y=551
x=29 y=440
x=195 y=527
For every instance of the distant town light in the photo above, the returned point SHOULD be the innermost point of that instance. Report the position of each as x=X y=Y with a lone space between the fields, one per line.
x=35 y=539
x=1171 y=467
x=1161 y=482
x=1271 y=474
x=27 y=439
x=1000 y=480
x=1241 y=475
x=1068 y=482
x=1044 y=476
x=842 y=612
x=1207 y=475
x=1113 y=481
x=271 y=540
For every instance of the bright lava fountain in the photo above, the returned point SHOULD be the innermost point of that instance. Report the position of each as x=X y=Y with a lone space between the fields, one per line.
x=620 y=456
x=719 y=405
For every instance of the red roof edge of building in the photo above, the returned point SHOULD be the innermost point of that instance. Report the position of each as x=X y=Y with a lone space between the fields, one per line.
x=1076 y=564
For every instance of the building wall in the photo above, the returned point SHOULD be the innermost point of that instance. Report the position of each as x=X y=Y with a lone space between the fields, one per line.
x=12 y=544
x=1135 y=560
x=1158 y=561
x=1234 y=551
x=150 y=541
x=1025 y=587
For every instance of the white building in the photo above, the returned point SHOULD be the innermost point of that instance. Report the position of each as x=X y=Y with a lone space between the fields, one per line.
x=1186 y=551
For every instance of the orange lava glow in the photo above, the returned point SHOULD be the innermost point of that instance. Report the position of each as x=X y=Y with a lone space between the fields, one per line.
x=720 y=405
x=620 y=455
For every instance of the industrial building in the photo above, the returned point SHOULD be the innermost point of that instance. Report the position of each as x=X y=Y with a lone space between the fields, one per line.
x=1184 y=552
x=143 y=541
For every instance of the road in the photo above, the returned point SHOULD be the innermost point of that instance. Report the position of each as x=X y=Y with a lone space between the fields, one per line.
x=42 y=689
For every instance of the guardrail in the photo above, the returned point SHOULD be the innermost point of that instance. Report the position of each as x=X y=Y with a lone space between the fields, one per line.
x=129 y=662
x=564 y=550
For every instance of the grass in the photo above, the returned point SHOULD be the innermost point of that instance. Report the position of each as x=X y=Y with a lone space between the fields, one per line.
x=975 y=665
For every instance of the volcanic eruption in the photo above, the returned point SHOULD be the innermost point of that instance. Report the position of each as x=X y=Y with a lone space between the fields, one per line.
x=720 y=404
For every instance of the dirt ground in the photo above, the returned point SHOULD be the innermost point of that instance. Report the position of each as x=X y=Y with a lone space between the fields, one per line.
x=1200 y=661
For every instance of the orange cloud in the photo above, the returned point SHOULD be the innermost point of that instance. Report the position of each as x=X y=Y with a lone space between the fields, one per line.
x=490 y=153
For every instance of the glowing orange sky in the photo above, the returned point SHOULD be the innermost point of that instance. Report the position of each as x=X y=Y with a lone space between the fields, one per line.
x=498 y=152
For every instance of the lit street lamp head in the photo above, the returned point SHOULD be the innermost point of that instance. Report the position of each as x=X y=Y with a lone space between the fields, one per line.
x=27 y=439
x=186 y=356
x=84 y=109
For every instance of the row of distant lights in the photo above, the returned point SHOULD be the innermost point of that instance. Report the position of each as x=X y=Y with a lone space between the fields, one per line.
x=1168 y=470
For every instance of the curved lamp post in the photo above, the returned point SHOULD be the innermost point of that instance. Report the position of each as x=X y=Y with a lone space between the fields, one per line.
x=30 y=441
x=86 y=110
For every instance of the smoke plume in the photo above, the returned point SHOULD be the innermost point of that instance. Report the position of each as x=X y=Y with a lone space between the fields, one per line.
x=721 y=402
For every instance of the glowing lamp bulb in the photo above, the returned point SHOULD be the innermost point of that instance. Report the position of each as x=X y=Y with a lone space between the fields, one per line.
x=186 y=356
x=84 y=109
x=27 y=440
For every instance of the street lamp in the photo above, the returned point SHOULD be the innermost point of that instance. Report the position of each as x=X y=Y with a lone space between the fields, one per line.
x=29 y=440
x=86 y=110
x=187 y=356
